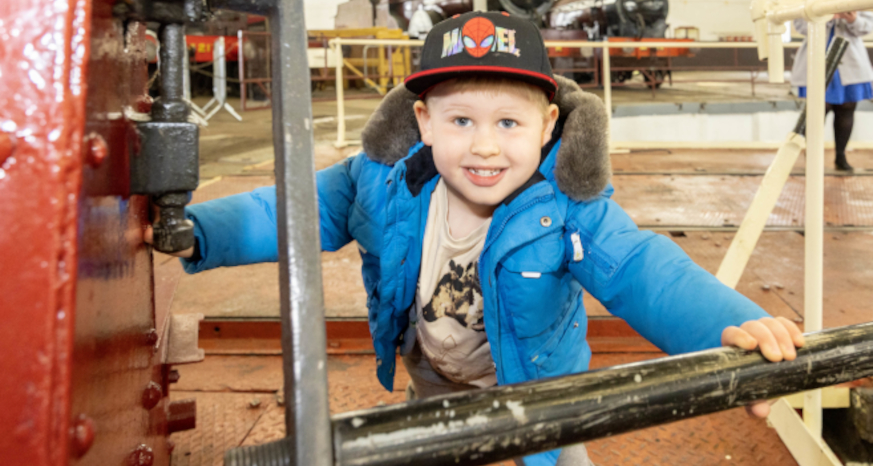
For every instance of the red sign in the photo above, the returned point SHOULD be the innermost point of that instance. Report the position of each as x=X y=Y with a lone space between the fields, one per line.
x=203 y=45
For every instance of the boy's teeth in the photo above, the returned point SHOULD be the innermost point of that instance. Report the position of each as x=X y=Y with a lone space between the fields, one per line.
x=484 y=172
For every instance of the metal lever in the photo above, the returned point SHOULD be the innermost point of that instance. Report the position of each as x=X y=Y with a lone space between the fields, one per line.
x=166 y=165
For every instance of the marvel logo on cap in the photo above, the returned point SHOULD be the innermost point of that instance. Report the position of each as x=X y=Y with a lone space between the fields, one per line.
x=483 y=43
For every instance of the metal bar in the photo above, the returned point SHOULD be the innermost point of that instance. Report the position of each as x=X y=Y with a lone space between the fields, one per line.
x=486 y=426
x=586 y=44
x=340 y=103
x=814 y=216
x=307 y=422
x=829 y=7
x=302 y=301
x=835 y=55
x=607 y=89
x=242 y=69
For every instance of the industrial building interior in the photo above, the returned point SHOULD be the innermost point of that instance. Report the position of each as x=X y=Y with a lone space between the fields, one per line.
x=698 y=128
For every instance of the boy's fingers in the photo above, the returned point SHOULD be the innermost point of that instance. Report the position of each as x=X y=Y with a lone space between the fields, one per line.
x=760 y=409
x=783 y=338
x=766 y=341
x=735 y=336
x=149 y=235
x=794 y=331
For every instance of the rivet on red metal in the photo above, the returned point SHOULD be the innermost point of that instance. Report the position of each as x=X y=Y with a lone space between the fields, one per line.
x=141 y=456
x=81 y=435
x=151 y=395
x=151 y=337
x=96 y=148
x=7 y=146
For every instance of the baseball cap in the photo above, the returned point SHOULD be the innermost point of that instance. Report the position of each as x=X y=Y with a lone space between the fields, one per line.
x=483 y=43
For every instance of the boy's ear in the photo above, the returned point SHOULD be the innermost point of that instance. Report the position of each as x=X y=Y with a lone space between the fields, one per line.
x=551 y=118
x=424 y=122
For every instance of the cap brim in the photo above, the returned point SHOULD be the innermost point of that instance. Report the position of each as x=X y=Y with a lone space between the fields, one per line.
x=420 y=83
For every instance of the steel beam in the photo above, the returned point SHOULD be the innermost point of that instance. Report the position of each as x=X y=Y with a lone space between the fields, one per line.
x=307 y=418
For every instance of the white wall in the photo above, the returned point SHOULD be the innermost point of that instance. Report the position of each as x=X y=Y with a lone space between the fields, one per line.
x=320 y=13
x=762 y=126
x=712 y=17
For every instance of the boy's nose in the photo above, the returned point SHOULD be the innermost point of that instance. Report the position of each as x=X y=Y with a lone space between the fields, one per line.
x=485 y=143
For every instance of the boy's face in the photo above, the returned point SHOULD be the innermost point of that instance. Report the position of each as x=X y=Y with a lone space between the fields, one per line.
x=485 y=144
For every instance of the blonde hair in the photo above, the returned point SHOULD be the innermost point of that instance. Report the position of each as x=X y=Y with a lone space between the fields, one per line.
x=492 y=85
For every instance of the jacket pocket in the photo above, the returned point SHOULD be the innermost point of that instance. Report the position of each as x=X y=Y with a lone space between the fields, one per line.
x=532 y=285
x=566 y=351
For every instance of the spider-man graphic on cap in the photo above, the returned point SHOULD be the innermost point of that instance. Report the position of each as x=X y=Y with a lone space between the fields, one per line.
x=478 y=36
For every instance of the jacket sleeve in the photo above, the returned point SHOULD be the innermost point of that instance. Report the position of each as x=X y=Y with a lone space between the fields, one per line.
x=241 y=229
x=648 y=281
x=862 y=26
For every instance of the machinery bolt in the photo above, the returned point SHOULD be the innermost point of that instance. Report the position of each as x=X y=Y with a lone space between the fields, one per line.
x=81 y=435
x=141 y=456
x=96 y=150
x=151 y=337
x=173 y=231
x=173 y=376
x=254 y=403
x=7 y=146
x=151 y=395
x=144 y=104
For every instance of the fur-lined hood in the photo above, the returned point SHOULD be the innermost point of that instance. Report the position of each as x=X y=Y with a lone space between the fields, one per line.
x=582 y=169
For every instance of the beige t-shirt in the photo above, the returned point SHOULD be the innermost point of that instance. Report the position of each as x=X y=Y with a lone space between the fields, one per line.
x=450 y=327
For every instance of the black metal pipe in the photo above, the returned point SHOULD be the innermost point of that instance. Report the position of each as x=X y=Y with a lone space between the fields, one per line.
x=486 y=426
x=835 y=55
x=171 y=106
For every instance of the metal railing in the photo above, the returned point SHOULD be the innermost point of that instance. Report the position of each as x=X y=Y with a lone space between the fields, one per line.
x=605 y=60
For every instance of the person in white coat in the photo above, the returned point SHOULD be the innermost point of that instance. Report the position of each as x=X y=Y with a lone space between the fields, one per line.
x=852 y=81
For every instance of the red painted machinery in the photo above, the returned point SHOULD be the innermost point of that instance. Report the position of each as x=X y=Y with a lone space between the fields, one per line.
x=86 y=346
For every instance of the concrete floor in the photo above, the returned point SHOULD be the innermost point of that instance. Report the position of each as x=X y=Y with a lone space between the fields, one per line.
x=696 y=198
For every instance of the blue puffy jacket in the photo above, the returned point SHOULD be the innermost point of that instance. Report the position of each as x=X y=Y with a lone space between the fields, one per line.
x=562 y=227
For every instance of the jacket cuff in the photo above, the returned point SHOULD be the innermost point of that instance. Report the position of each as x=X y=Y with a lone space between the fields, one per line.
x=197 y=262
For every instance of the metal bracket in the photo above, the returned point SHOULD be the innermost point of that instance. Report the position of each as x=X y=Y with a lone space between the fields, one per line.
x=182 y=340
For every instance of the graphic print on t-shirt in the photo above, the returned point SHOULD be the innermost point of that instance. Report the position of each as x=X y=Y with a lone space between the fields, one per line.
x=458 y=295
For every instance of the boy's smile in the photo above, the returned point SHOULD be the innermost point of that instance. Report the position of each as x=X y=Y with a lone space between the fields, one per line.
x=486 y=143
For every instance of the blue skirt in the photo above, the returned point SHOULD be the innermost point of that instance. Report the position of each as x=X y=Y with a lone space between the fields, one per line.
x=837 y=94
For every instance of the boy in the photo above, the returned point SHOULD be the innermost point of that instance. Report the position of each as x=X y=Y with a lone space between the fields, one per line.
x=482 y=211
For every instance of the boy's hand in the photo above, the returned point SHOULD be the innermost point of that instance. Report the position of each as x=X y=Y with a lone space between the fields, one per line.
x=149 y=237
x=777 y=338
x=849 y=16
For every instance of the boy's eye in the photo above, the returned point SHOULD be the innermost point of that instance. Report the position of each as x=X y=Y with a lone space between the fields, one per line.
x=507 y=123
x=461 y=121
